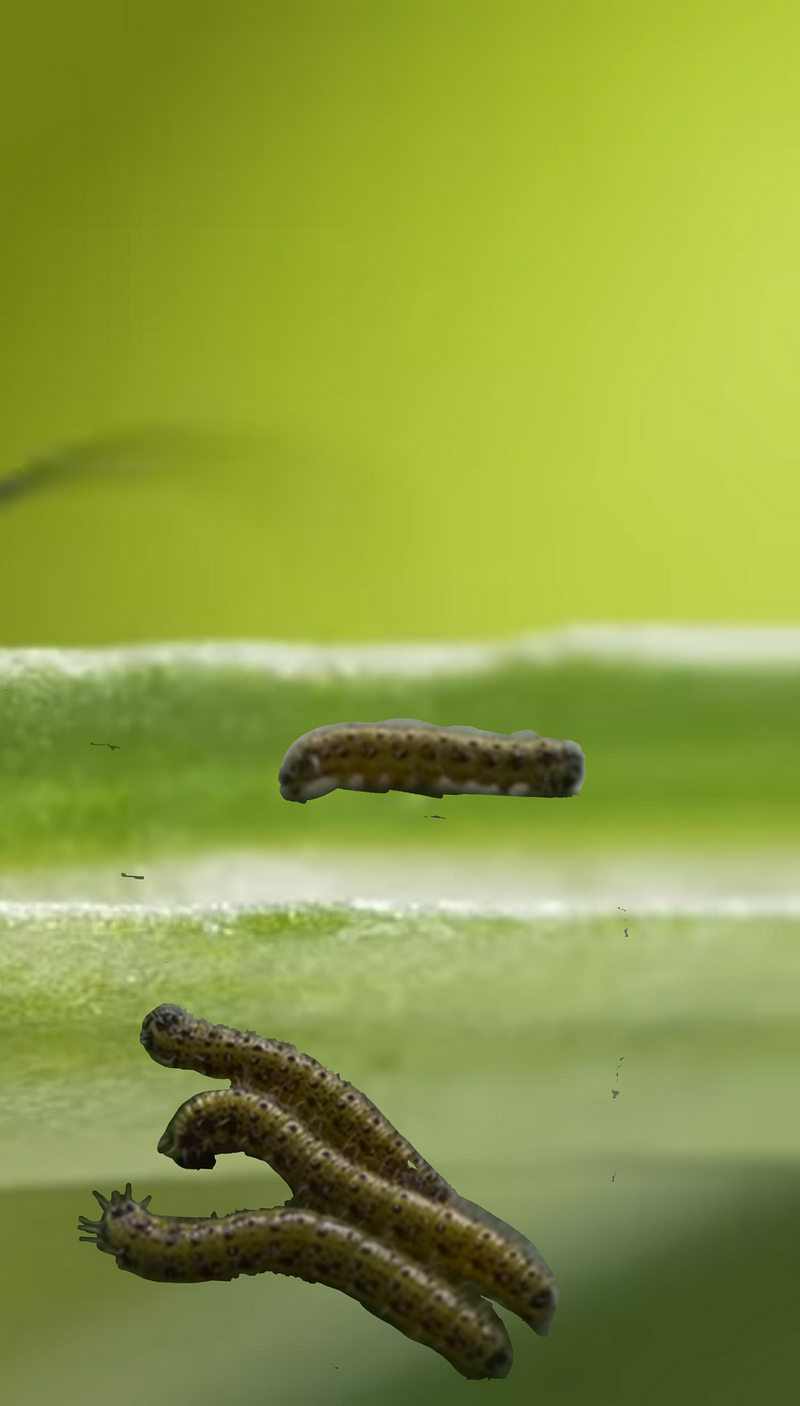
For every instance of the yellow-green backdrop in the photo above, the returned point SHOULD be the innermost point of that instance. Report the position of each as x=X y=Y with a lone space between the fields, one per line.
x=509 y=291
x=326 y=320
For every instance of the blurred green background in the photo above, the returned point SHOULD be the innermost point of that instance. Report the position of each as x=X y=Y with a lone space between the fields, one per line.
x=344 y=321
x=501 y=301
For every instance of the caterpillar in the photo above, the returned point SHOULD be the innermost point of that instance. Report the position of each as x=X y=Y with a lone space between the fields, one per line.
x=331 y=1108
x=404 y=754
x=506 y=1267
x=304 y=1244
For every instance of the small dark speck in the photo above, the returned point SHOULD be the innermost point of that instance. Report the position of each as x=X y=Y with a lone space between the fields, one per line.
x=615 y=1093
x=131 y=876
x=434 y=817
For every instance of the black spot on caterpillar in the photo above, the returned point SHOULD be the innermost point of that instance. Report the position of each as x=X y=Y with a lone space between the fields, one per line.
x=404 y=754
x=423 y=1305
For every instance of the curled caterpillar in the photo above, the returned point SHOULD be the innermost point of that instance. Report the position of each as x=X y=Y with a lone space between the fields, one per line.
x=448 y=1237
x=404 y=754
x=331 y=1109
x=422 y=1304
